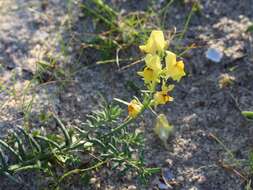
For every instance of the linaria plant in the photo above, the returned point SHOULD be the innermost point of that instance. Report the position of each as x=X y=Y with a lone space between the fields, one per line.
x=100 y=142
x=161 y=65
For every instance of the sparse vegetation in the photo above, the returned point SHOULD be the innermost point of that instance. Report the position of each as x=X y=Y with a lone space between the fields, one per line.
x=116 y=147
x=58 y=132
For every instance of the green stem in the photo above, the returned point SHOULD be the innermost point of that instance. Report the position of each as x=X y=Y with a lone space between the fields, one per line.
x=146 y=104
x=123 y=125
x=187 y=22
x=77 y=171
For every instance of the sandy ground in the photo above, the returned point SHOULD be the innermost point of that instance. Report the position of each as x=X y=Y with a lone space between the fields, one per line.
x=200 y=108
x=29 y=32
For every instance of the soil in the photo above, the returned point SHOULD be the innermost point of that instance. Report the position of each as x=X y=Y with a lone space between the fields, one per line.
x=201 y=112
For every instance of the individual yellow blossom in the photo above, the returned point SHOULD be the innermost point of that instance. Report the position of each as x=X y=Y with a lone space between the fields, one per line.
x=155 y=44
x=153 y=68
x=162 y=128
x=154 y=62
x=148 y=75
x=162 y=97
x=174 y=68
x=134 y=108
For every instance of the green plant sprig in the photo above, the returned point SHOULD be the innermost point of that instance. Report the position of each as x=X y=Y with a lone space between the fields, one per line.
x=42 y=152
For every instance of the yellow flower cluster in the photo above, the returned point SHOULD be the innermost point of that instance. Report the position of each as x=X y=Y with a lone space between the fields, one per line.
x=155 y=72
x=155 y=48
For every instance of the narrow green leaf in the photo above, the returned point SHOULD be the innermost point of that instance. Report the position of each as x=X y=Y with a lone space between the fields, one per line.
x=11 y=177
x=49 y=141
x=35 y=143
x=80 y=131
x=21 y=148
x=248 y=114
x=2 y=159
x=81 y=143
x=113 y=148
x=4 y=144
x=31 y=140
x=98 y=15
x=64 y=130
x=97 y=141
x=121 y=101
x=13 y=167
x=105 y=7
x=26 y=168
x=153 y=170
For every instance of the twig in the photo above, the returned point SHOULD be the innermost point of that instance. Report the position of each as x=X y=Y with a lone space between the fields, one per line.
x=233 y=170
x=132 y=64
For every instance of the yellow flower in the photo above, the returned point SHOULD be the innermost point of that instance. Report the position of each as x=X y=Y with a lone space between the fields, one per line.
x=154 y=62
x=162 y=97
x=162 y=128
x=155 y=44
x=152 y=71
x=174 y=68
x=134 y=108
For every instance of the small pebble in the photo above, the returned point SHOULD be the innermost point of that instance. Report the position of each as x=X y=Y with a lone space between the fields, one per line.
x=163 y=186
x=214 y=55
x=201 y=179
x=180 y=178
x=193 y=188
x=132 y=187
x=167 y=175
x=93 y=180
x=169 y=162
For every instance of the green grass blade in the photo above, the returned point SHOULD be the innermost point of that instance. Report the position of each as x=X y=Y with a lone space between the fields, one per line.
x=187 y=22
x=26 y=168
x=99 y=16
x=248 y=114
x=31 y=140
x=49 y=141
x=113 y=148
x=2 y=159
x=64 y=130
x=5 y=145
x=11 y=177
x=21 y=148
x=106 y=8
x=98 y=142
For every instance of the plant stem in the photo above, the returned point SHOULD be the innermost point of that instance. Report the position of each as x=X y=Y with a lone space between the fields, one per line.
x=76 y=171
x=146 y=104
x=123 y=125
x=187 y=22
